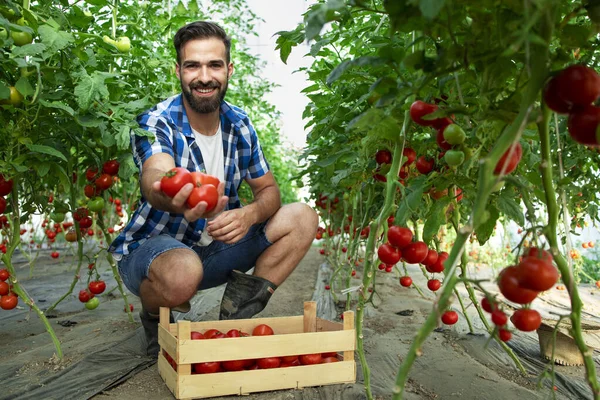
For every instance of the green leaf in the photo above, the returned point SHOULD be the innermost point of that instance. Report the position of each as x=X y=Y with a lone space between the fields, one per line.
x=28 y=50
x=375 y=122
x=88 y=121
x=90 y=88
x=410 y=203
x=431 y=8
x=509 y=206
x=24 y=87
x=54 y=40
x=123 y=137
x=108 y=139
x=42 y=169
x=486 y=228
x=58 y=105
x=39 y=148
x=4 y=91
x=347 y=64
x=436 y=219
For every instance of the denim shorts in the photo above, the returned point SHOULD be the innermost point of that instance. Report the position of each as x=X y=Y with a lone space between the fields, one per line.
x=218 y=258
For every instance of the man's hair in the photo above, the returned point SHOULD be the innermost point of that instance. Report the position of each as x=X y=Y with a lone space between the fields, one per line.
x=201 y=30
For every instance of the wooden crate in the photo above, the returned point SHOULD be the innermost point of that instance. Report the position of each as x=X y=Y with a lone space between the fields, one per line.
x=305 y=334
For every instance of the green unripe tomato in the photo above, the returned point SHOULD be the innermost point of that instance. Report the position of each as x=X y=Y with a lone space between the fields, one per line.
x=15 y=98
x=57 y=217
x=92 y=304
x=454 y=158
x=21 y=38
x=108 y=40
x=454 y=134
x=96 y=204
x=123 y=44
x=3 y=34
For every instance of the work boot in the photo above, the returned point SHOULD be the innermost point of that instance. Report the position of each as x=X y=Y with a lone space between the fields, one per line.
x=150 y=324
x=245 y=296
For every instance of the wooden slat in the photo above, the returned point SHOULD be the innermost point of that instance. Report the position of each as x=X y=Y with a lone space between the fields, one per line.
x=194 y=351
x=244 y=382
x=167 y=342
x=281 y=325
x=324 y=325
x=349 y=327
x=164 y=316
x=168 y=374
x=183 y=332
x=310 y=316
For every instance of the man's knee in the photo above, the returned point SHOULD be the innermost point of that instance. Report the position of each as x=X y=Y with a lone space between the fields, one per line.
x=178 y=274
x=306 y=219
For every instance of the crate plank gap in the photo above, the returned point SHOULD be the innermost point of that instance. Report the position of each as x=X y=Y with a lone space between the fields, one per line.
x=295 y=335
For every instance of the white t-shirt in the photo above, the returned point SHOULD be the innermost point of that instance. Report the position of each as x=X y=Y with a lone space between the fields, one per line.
x=211 y=148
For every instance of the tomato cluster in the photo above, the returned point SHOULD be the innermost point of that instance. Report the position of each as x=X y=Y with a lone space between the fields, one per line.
x=205 y=186
x=8 y=299
x=100 y=181
x=573 y=91
x=250 y=364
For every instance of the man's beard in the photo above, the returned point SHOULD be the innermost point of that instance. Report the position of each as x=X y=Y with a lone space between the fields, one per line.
x=204 y=105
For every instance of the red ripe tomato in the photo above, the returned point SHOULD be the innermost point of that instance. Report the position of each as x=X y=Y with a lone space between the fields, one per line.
x=499 y=318
x=174 y=180
x=91 y=191
x=289 y=359
x=441 y=141
x=406 y=281
x=575 y=86
x=539 y=253
x=379 y=177
x=219 y=336
x=197 y=335
x=200 y=178
x=327 y=360
x=383 y=157
x=486 y=305
x=262 y=330
x=441 y=123
x=508 y=283
x=329 y=354
x=388 y=254
x=436 y=267
x=504 y=335
x=438 y=194
x=211 y=333
x=5 y=186
x=55 y=254
x=91 y=173
x=233 y=333
x=294 y=363
x=388 y=268
x=4 y=288
x=430 y=258
x=410 y=154
x=526 y=320
x=434 y=285
x=424 y=165
x=419 y=109
x=97 y=287
x=85 y=296
x=450 y=317
x=310 y=359
x=111 y=167
x=537 y=274
x=80 y=213
x=4 y=274
x=2 y=205
x=399 y=236
x=583 y=123
x=9 y=301
x=415 y=252
x=207 y=367
x=511 y=164
x=103 y=182
x=269 y=362
x=234 y=365
x=206 y=193
x=85 y=223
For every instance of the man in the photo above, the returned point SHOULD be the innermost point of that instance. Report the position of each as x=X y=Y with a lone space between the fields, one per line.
x=168 y=251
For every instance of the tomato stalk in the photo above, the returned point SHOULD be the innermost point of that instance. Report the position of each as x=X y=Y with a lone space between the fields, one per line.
x=113 y=266
x=7 y=260
x=485 y=184
x=566 y=272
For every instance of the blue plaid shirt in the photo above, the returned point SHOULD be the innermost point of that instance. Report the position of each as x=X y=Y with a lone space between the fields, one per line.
x=173 y=135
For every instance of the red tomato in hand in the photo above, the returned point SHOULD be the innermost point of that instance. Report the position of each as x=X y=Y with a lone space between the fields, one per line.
x=388 y=254
x=415 y=252
x=269 y=362
x=511 y=164
x=399 y=237
x=206 y=193
x=200 y=178
x=526 y=320
x=174 y=180
x=508 y=283
x=310 y=359
x=450 y=317
x=262 y=330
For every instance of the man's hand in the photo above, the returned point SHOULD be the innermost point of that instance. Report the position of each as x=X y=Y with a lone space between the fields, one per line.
x=230 y=226
x=178 y=203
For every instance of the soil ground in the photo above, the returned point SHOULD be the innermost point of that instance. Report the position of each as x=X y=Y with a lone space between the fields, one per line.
x=453 y=364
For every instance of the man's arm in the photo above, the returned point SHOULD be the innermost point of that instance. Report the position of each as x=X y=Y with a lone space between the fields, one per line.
x=153 y=169
x=232 y=225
